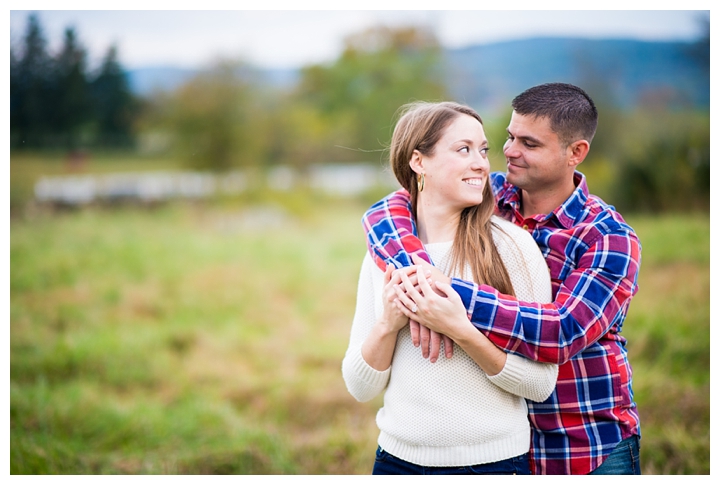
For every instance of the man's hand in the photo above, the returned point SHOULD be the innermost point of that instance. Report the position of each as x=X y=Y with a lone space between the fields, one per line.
x=435 y=274
x=429 y=341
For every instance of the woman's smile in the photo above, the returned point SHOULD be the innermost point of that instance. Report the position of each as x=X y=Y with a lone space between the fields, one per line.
x=477 y=182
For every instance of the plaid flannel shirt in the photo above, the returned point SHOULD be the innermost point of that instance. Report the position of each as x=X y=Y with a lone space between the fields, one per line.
x=594 y=258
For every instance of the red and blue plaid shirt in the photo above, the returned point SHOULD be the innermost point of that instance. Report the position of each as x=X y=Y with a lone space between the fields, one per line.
x=594 y=258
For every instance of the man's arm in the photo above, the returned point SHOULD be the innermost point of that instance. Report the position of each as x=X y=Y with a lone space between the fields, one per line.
x=391 y=231
x=593 y=298
x=391 y=238
x=589 y=302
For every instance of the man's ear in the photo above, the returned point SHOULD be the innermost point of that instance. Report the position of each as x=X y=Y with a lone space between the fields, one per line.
x=578 y=151
x=417 y=162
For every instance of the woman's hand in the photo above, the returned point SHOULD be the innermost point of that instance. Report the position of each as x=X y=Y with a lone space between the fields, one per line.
x=392 y=317
x=379 y=346
x=436 y=306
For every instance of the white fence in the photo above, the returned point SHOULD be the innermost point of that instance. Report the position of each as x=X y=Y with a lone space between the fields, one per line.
x=340 y=180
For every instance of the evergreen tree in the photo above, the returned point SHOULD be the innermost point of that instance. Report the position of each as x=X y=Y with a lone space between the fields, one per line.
x=115 y=106
x=72 y=97
x=30 y=89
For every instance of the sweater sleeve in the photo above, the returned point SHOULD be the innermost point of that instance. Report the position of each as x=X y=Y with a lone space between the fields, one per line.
x=525 y=378
x=362 y=381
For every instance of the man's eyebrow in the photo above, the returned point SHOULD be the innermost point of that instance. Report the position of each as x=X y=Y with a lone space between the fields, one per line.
x=527 y=138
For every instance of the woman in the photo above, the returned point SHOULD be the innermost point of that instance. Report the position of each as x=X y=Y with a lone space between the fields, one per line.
x=465 y=413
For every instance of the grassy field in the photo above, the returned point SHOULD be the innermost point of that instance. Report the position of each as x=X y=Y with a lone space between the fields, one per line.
x=207 y=339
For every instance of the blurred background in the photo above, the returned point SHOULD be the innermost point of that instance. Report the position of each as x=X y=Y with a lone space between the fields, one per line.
x=186 y=190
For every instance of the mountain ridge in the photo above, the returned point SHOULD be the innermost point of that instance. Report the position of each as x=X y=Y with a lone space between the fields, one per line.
x=620 y=71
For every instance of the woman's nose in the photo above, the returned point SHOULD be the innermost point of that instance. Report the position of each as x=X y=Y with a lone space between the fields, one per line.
x=481 y=162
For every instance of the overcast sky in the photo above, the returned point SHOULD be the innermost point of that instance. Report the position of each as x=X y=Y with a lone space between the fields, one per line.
x=285 y=38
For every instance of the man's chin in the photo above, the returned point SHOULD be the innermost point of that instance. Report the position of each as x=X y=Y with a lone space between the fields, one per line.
x=511 y=177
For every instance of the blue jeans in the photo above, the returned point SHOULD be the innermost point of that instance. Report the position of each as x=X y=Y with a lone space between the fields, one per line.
x=387 y=464
x=624 y=460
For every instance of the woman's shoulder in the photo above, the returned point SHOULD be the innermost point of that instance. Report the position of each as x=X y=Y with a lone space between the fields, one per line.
x=513 y=241
x=508 y=229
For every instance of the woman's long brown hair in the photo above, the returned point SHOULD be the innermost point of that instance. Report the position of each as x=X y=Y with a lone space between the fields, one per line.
x=420 y=127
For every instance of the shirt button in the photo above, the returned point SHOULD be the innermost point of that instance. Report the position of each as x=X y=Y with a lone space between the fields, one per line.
x=525 y=227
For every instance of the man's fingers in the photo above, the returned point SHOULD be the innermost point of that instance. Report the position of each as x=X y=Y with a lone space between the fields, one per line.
x=434 y=346
x=415 y=332
x=425 y=341
x=410 y=288
x=419 y=261
x=388 y=273
x=448 y=346
x=423 y=283
x=405 y=299
x=406 y=270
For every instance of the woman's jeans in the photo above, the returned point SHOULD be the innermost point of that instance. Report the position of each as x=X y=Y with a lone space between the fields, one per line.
x=387 y=464
x=624 y=460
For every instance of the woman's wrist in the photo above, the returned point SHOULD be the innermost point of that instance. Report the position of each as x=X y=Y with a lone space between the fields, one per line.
x=386 y=329
x=461 y=331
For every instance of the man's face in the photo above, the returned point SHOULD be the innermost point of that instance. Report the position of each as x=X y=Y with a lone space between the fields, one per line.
x=536 y=159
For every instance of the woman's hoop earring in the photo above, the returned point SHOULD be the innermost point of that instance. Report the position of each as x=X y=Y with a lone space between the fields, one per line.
x=421 y=182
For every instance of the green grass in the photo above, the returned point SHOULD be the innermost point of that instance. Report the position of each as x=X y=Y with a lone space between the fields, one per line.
x=668 y=332
x=207 y=339
x=183 y=339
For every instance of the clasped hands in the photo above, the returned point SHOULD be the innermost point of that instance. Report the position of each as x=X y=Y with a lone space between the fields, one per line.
x=423 y=294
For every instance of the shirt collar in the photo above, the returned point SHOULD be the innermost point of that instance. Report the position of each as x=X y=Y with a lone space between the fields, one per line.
x=567 y=213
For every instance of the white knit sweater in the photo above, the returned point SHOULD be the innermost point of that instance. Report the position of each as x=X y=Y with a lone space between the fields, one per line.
x=451 y=413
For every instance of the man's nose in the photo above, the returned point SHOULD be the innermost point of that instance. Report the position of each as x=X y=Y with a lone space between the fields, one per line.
x=510 y=149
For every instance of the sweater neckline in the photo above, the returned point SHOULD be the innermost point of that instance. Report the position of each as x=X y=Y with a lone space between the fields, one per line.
x=438 y=245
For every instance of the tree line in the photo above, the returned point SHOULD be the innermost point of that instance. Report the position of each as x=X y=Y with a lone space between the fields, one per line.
x=229 y=116
x=57 y=102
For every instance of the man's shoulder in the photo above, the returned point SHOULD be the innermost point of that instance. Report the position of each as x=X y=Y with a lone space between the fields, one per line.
x=605 y=217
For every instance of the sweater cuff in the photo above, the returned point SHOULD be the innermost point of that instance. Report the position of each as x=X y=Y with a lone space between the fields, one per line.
x=368 y=375
x=511 y=374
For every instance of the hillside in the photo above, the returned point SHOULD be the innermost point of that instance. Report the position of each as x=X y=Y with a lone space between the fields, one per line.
x=622 y=72
x=617 y=71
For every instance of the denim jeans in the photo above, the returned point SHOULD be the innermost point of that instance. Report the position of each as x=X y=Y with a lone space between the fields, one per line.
x=387 y=464
x=624 y=460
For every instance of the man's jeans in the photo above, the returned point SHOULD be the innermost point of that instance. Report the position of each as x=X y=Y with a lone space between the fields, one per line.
x=624 y=460
x=387 y=464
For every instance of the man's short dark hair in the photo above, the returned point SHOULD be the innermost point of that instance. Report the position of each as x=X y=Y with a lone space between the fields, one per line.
x=571 y=111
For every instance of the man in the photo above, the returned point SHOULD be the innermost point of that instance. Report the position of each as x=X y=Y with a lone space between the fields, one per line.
x=590 y=423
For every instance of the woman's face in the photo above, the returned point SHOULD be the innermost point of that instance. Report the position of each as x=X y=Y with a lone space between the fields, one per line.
x=457 y=171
